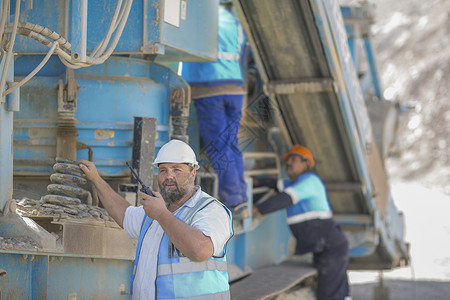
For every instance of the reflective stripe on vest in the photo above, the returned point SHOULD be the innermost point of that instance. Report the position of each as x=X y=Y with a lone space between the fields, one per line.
x=218 y=296
x=146 y=222
x=230 y=55
x=311 y=215
x=190 y=266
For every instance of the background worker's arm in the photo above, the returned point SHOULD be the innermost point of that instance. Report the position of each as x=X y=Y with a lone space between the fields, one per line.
x=113 y=202
x=189 y=240
x=280 y=200
x=269 y=182
x=274 y=203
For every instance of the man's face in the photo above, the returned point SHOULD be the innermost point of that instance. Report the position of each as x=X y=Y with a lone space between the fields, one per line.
x=296 y=165
x=175 y=181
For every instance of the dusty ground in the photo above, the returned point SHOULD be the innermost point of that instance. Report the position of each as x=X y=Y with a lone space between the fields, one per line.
x=412 y=42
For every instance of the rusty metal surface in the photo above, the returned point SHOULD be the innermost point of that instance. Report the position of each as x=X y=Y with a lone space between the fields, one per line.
x=61 y=207
x=144 y=139
x=96 y=240
x=68 y=179
x=68 y=187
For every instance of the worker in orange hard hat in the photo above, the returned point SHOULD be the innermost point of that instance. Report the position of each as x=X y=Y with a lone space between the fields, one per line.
x=310 y=220
x=302 y=152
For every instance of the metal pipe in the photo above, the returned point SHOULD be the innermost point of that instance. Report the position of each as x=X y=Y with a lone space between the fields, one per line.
x=179 y=112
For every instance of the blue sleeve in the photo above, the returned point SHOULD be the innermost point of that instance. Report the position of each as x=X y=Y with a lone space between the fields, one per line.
x=307 y=185
x=309 y=191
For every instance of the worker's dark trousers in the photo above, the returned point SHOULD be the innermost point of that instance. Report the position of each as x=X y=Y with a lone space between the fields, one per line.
x=332 y=264
x=219 y=120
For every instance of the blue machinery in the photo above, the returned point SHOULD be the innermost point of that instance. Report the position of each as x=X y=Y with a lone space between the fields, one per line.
x=102 y=63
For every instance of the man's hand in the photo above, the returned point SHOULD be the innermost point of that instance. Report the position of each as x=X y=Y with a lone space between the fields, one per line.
x=255 y=210
x=255 y=182
x=89 y=170
x=154 y=207
x=113 y=202
x=189 y=240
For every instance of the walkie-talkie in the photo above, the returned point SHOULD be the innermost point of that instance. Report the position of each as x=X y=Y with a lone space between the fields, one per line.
x=144 y=189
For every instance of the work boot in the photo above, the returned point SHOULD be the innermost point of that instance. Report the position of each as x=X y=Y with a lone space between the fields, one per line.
x=240 y=211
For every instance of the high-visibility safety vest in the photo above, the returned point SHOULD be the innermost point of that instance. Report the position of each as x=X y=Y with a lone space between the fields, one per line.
x=310 y=199
x=227 y=66
x=177 y=276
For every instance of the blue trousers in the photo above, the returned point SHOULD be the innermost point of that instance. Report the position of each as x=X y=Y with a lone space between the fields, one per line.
x=219 y=120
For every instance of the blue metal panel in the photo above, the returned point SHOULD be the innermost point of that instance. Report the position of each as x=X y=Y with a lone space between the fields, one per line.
x=146 y=30
x=17 y=282
x=197 y=14
x=35 y=125
x=6 y=127
x=266 y=244
x=43 y=12
x=373 y=68
x=358 y=28
x=120 y=89
x=99 y=16
x=89 y=278
x=352 y=46
x=58 y=277
x=39 y=276
x=119 y=100
x=362 y=250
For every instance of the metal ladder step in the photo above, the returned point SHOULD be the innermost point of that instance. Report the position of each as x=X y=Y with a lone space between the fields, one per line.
x=268 y=282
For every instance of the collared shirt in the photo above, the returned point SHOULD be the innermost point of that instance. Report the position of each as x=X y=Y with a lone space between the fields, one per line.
x=213 y=221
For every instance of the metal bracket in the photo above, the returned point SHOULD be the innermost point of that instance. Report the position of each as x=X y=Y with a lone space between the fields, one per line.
x=67 y=93
x=10 y=207
x=13 y=99
x=179 y=112
x=313 y=85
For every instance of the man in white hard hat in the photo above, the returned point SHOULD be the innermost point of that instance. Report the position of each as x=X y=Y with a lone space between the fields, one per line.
x=182 y=232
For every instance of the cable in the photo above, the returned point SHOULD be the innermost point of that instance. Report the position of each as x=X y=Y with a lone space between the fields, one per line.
x=112 y=26
x=39 y=33
x=11 y=45
x=117 y=35
x=25 y=27
x=5 y=9
x=37 y=69
x=60 y=46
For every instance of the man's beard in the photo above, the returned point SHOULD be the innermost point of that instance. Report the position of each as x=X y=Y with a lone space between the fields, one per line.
x=172 y=195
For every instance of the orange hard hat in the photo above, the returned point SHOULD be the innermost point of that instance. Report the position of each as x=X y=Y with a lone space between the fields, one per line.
x=302 y=151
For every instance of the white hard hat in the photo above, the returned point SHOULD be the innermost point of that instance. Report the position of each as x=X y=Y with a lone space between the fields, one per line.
x=177 y=152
